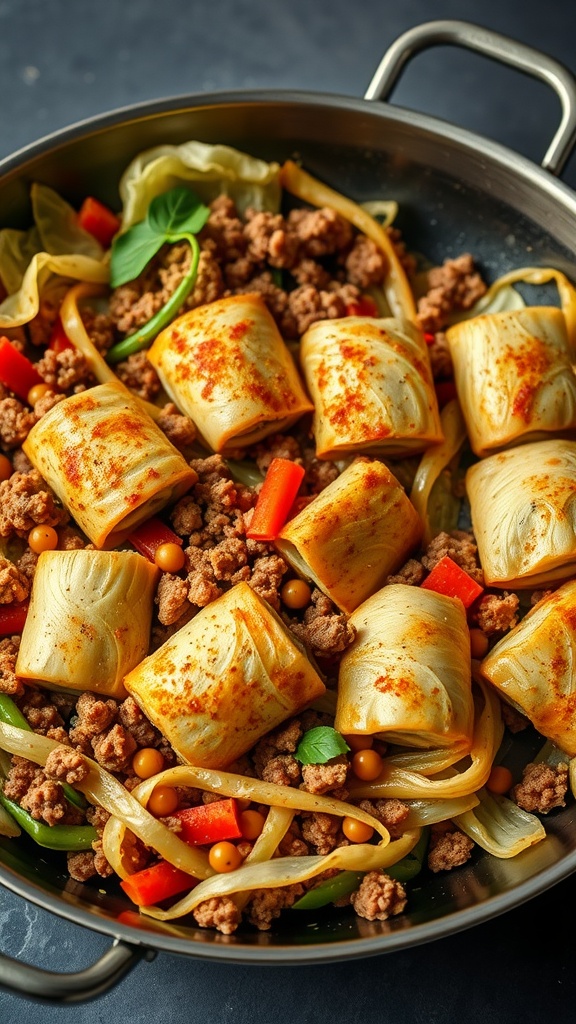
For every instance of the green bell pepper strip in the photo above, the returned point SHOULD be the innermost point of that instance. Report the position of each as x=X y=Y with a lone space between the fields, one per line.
x=11 y=715
x=347 y=881
x=52 y=837
x=329 y=891
x=143 y=337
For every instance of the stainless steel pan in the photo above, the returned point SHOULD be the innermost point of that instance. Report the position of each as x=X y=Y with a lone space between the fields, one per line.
x=457 y=192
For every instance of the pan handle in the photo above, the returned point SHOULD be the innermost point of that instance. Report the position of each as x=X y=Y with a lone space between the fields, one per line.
x=54 y=987
x=498 y=47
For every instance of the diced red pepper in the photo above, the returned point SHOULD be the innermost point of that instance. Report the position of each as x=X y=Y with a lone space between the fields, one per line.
x=445 y=392
x=364 y=307
x=449 y=579
x=98 y=220
x=13 y=617
x=275 y=500
x=16 y=371
x=429 y=338
x=59 y=340
x=152 y=885
x=147 y=537
x=210 y=823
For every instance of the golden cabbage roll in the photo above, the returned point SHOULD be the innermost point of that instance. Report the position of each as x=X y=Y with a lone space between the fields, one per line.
x=353 y=534
x=532 y=667
x=523 y=509
x=372 y=388
x=89 y=619
x=224 y=680
x=514 y=377
x=407 y=676
x=227 y=367
x=108 y=462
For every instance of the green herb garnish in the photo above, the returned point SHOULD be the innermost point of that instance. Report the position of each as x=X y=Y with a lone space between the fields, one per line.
x=174 y=216
x=320 y=745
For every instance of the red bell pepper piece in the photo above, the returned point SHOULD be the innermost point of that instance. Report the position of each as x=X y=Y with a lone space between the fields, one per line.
x=157 y=883
x=364 y=307
x=448 y=578
x=59 y=340
x=147 y=537
x=98 y=220
x=16 y=371
x=429 y=337
x=209 y=823
x=12 y=618
x=280 y=487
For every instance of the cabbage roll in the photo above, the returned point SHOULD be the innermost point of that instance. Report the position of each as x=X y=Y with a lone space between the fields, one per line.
x=407 y=676
x=514 y=377
x=523 y=509
x=353 y=534
x=224 y=680
x=89 y=619
x=372 y=388
x=532 y=667
x=108 y=462
x=226 y=366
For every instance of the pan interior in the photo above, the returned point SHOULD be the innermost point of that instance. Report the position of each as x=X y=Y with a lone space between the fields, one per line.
x=456 y=194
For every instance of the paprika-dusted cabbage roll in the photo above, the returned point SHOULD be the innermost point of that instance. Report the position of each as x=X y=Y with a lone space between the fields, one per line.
x=532 y=667
x=353 y=534
x=89 y=619
x=372 y=388
x=514 y=376
x=523 y=508
x=108 y=462
x=225 y=679
x=226 y=366
x=407 y=675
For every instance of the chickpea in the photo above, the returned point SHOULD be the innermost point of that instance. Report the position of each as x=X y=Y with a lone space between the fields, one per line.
x=224 y=857
x=357 y=831
x=367 y=765
x=169 y=557
x=37 y=392
x=163 y=800
x=147 y=762
x=296 y=594
x=43 y=538
x=500 y=779
x=357 y=742
x=251 y=824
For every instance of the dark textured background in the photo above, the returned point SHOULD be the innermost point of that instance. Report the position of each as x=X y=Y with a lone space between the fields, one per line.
x=65 y=60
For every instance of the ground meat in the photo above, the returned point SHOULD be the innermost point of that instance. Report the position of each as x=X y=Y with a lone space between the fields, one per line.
x=179 y=429
x=15 y=423
x=93 y=717
x=321 y=831
x=459 y=545
x=306 y=305
x=323 y=778
x=220 y=912
x=186 y=517
x=266 y=578
x=224 y=230
x=454 y=286
x=14 y=585
x=43 y=798
x=98 y=817
x=308 y=271
x=321 y=232
x=47 y=402
x=40 y=327
x=134 y=304
x=543 y=788
x=324 y=630
x=42 y=716
x=227 y=557
x=209 y=283
x=99 y=328
x=202 y=585
x=269 y=240
x=267 y=904
x=513 y=719
x=275 y=446
x=448 y=850
x=440 y=357
x=9 y=682
x=70 y=539
x=135 y=722
x=138 y=374
x=378 y=897
x=101 y=865
x=391 y=812
x=496 y=613
x=113 y=749
x=366 y=264
x=26 y=501
x=171 y=598
x=81 y=865
x=64 y=764
x=282 y=770
x=319 y=472
x=65 y=369
x=412 y=573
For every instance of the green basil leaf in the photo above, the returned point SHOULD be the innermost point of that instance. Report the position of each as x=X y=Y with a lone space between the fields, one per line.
x=132 y=251
x=177 y=211
x=320 y=745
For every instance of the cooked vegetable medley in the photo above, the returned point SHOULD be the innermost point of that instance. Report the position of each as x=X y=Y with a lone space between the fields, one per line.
x=287 y=545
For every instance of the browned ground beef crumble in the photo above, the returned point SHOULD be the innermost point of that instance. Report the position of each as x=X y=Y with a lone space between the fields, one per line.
x=307 y=265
